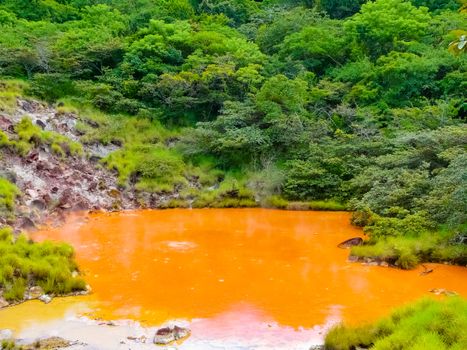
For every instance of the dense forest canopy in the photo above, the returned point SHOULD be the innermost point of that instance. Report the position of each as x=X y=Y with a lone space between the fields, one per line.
x=353 y=102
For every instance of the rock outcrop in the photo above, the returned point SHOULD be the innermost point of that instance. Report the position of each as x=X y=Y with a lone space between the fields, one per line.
x=51 y=184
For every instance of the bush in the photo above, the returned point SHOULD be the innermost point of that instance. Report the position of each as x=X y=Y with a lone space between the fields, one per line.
x=276 y=202
x=51 y=87
x=152 y=168
x=8 y=194
x=232 y=193
x=426 y=324
x=9 y=91
x=406 y=252
x=24 y=263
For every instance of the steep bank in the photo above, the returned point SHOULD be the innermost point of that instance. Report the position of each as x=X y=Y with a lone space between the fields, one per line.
x=53 y=182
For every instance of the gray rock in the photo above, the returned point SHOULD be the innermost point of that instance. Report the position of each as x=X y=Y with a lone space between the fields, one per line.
x=35 y=292
x=170 y=334
x=45 y=298
x=317 y=347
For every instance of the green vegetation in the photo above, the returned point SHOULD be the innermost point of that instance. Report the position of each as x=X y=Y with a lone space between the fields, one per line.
x=8 y=194
x=30 y=134
x=27 y=135
x=289 y=104
x=24 y=264
x=9 y=91
x=427 y=325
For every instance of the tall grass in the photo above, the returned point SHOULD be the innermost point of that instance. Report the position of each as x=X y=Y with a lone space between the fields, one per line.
x=231 y=193
x=8 y=194
x=30 y=135
x=424 y=325
x=281 y=203
x=10 y=90
x=24 y=263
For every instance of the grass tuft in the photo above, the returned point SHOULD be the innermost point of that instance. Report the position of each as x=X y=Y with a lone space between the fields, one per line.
x=427 y=324
x=24 y=263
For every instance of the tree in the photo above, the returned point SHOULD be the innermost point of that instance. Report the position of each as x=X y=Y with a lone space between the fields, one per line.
x=381 y=24
x=280 y=95
x=317 y=47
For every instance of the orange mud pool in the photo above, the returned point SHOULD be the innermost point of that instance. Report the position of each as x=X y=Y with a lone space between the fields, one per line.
x=248 y=277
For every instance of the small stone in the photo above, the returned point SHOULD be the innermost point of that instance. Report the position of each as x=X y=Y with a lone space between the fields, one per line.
x=45 y=298
x=35 y=292
x=170 y=334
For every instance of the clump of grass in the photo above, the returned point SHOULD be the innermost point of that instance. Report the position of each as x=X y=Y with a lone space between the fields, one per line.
x=98 y=127
x=9 y=345
x=407 y=252
x=10 y=90
x=8 y=194
x=153 y=167
x=328 y=205
x=174 y=203
x=281 y=203
x=24 y=263
x=427 y=324
x=276 y=202
x=231 y=193
x=30 y=135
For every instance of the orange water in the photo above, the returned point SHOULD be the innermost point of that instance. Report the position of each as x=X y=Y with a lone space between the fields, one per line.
x=284 y=266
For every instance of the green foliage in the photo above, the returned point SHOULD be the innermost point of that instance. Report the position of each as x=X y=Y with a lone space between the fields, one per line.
x=30 y=135
x=231 y=193
x=9 y=91
x=152 y=168
x=24 y=263
x=426 y=324
x=50 y=87
x=317 y=55
x=8 y=194
x=382 y=24
x=280 y=95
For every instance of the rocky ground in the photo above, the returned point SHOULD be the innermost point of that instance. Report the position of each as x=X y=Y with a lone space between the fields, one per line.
x=52 y=185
